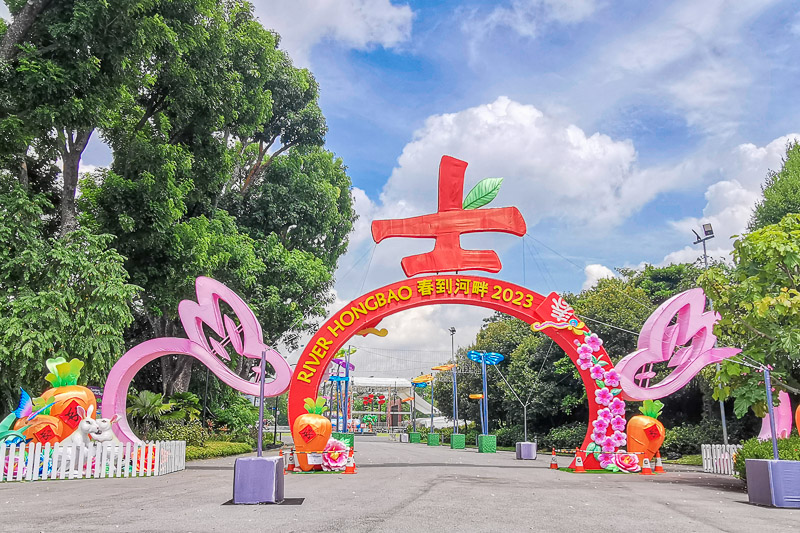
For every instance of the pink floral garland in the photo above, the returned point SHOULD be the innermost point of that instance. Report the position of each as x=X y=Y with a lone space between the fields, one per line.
x=609 y=428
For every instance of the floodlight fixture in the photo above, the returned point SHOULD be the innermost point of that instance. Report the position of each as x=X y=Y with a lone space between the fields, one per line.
x=708 y=230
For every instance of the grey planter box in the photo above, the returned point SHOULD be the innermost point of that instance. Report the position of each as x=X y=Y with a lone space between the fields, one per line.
x=526 y=450
x=773 y=483
x=258 y=480
x=403 y=437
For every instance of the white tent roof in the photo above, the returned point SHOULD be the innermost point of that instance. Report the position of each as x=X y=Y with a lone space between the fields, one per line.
x=397 y=383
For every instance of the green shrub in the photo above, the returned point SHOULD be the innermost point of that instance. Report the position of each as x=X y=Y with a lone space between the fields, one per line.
x=238 y=417
x=191 y=432
x=251 y=438
x=788 y=449
x=568 y=436
x=216 y=449
x=686 y=439
x=509 y=436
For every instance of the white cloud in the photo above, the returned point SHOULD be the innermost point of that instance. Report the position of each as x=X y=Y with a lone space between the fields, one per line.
x=85 y=167
x=696 y=55
x=526 y=17
x=551 y=169
x=358 y=24
x=595 y=273
x=730 y=201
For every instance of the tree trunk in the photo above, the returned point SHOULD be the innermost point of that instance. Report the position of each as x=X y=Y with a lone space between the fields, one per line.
x=71 y=152
x=23 y=171
x=19 y=28
x=176 y=372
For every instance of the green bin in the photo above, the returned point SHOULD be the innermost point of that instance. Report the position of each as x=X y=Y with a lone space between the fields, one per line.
x=458 y=441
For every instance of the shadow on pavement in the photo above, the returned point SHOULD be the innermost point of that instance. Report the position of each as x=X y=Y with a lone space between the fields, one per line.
x=287 y=501
x=426 y=465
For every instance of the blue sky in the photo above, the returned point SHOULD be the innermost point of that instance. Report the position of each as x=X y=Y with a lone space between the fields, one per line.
x=618 y=126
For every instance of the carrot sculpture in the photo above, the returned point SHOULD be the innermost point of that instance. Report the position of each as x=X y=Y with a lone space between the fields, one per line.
x=311 y=432
x=53 y=416
x=645 y=433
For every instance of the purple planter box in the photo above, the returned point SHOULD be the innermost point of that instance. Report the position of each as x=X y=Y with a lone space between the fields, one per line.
x=526 y=450
x=258 y=480
x=773 y=483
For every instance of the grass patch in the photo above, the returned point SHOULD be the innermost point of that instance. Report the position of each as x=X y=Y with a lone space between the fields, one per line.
x=216 y=449
x=690 y=460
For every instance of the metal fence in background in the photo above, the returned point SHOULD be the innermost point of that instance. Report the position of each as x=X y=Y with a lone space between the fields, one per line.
x=718 y=458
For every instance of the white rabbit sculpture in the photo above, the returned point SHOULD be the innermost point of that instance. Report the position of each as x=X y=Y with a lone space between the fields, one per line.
x=87 y=429
x=106 y=434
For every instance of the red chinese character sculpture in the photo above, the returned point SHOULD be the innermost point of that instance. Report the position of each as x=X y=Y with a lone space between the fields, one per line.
x=448 y=224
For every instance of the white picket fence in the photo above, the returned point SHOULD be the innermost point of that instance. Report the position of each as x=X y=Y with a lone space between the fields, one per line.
x=34 y=462
x=718 y=458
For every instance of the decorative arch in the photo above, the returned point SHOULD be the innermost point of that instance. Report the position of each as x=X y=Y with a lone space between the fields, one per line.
x=549 y=314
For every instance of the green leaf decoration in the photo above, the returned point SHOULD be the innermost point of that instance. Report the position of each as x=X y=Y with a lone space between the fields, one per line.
x=314 y=407
x=591 y=447
x=594 y=360
x=600 y=383
x=51 y=364
x=615 y=391
x=482 y=193
x=602 y=363
x=18 y=433
x=39 y=404
x=5 y=425
x=63 y=373
x=651 y=408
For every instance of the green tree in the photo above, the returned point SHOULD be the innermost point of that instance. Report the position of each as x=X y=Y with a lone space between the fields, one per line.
x=760 y=305
x=178 y=146
x=60 y=297
x=66 y=75
x=781 y=192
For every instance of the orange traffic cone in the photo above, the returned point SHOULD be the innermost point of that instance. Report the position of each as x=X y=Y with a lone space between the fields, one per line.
x=285 y=473
x=290 y=466
x=659 y=464
x=646 y=470
x=554 y=461
x=579 y=462
x=351 y=464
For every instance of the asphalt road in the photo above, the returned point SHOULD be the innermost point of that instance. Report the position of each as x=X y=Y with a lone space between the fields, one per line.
x=399 y=487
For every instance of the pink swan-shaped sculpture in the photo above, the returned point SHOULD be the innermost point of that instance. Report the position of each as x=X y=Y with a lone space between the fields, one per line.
x=246 y=339
x=660 y=342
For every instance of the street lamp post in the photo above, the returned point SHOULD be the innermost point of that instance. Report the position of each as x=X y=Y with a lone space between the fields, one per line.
x=708 y=233
x=455 y=383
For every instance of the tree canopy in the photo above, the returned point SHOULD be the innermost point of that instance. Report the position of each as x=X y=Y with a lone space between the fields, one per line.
x=218 y=169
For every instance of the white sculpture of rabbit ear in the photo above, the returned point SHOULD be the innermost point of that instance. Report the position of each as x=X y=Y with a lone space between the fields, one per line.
x=115 y=418
x=82 y=411
x=90 y=411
